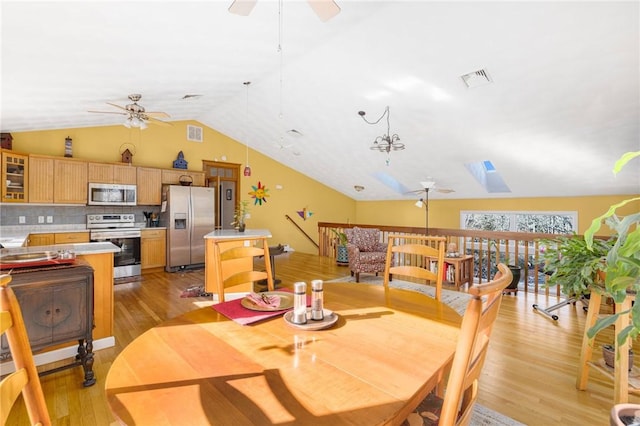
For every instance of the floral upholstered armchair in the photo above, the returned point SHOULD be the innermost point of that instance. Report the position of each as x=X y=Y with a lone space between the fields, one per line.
x=366 y=252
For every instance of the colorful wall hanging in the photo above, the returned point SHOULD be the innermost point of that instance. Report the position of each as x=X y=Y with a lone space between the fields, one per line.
x=259 y=194
x=304 y=213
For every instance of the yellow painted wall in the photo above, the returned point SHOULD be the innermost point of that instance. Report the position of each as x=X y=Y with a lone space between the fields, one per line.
x=159 y=146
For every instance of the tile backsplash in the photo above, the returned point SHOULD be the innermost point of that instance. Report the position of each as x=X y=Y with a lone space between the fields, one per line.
x=10 y=214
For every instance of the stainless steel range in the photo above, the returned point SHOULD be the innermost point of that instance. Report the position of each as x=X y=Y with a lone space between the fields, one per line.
x=120 y=230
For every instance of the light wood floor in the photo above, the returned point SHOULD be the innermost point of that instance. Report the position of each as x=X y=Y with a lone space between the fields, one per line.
x=529 y=375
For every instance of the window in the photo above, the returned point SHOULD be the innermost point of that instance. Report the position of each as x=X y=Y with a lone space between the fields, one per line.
x=545 y=222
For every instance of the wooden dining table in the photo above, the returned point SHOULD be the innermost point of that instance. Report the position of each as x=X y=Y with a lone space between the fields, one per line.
x=385 y=353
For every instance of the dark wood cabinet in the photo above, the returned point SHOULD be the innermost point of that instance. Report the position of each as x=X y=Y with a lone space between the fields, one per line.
x=57 y=307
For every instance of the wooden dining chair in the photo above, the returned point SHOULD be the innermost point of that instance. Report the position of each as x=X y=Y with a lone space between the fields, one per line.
x=462 y=386
x=414 y=257
x=25 y=379
x=234 y=263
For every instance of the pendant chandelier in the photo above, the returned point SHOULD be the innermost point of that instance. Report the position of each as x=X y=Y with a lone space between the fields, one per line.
x=247 y=168
x=387 y=142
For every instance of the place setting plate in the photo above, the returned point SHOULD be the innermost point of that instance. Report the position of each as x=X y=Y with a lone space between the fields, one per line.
x=330 y=318
x=286 y=302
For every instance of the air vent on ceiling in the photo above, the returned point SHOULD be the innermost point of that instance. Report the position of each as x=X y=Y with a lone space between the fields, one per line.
x=476 y=78
x=194 y=133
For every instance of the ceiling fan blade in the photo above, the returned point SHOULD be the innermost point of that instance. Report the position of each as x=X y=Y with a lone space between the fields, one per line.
x=242 y=7
x=445 y=190
x=157 y=114
x=109 y=112
x=325 y=9
x=117 y=106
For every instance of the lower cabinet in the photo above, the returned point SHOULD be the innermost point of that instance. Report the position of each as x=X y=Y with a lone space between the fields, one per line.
x=40 y=240
x=153 y=243
x=57 y=238
x=57 y=307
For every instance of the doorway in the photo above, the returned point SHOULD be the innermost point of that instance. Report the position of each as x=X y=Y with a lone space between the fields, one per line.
x=225 y=177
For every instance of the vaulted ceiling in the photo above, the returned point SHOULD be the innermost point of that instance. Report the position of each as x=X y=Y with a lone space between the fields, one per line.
x=562 y=104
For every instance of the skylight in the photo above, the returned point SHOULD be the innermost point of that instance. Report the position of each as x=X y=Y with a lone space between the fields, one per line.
x=487 y=176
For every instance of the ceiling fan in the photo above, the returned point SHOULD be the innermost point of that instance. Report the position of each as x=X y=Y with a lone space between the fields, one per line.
x=137 y=116
x=427 y=186
x=325 y=9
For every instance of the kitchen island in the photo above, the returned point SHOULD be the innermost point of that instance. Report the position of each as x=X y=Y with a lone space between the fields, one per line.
x=230 y=238
x=98 y=255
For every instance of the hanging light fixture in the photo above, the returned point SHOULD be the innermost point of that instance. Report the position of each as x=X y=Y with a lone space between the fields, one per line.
x=247 y=168
x=387 y=142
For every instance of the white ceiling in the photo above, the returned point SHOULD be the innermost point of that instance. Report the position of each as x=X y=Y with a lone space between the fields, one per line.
x=563 y=106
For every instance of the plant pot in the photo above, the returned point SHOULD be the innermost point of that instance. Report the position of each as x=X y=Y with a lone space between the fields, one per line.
x=342 y=256
x=609 y=355
x=515 y=270
x=241 y=227
x=625 y=414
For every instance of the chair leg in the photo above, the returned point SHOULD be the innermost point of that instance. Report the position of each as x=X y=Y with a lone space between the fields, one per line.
x=357 y=277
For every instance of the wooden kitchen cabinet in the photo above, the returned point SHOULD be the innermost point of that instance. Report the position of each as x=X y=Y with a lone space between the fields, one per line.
x=40 y=240
x=15 y=174
x=172 y=177
x=153 y=243
x=57 y=307
x=112 y=173
x=70 y=181
x=40 y=179
x=149 y=181
x=71 y=237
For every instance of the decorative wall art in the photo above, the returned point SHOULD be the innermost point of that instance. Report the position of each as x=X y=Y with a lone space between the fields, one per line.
x=304 y=213
x=259 y=194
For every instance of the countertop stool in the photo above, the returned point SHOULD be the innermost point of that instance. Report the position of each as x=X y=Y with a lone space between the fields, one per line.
x=273 y=252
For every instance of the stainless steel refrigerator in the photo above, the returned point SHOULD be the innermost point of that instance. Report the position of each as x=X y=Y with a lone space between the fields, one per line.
x=188 y=213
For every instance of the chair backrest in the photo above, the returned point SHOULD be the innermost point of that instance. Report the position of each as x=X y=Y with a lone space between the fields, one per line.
x=25 y=379
x=415 y=256
x=366 y=239
x=462 y=387
x=235 y=264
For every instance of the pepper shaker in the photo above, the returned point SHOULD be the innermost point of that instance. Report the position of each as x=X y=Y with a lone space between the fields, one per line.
x=317 y=300
x=299 y=303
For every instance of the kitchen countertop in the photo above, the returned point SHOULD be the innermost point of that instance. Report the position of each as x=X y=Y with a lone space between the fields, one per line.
x=15 y=236
x=229 y=234
x=79 y=248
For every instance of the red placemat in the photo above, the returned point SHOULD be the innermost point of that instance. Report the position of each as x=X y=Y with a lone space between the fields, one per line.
x=234 y=310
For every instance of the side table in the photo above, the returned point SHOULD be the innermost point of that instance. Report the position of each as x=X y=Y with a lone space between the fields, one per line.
x=463 y=269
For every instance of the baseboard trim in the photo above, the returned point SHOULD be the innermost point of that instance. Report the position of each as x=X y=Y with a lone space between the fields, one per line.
x=8 y=367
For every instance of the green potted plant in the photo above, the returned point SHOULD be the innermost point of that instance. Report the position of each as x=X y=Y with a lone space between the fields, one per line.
x=622 y=271
x=241 y=215
x=342 y=255
x=573 y=265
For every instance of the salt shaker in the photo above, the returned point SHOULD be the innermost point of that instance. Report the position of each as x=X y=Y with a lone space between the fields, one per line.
x=317 y=296
x=299 y=303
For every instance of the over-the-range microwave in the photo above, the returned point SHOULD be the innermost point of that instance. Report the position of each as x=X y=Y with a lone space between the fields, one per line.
x=105 y=194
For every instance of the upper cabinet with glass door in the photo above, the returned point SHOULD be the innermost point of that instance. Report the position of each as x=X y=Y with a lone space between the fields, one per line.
x=15 y=169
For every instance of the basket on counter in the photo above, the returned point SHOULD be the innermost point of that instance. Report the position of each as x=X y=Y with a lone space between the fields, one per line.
x=186 y=180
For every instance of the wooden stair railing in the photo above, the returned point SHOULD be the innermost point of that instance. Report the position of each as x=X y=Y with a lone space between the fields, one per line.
x=301 y=230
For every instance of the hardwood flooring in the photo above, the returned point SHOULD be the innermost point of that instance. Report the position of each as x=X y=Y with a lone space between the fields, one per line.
x=529 y=374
